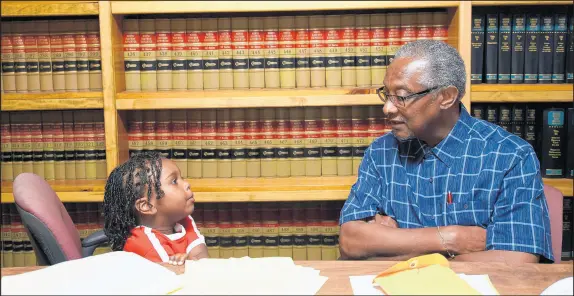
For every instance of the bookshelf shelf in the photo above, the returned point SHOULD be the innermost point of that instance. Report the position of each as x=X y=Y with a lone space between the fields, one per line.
x=501 y=3
x=48 y=8
x=67 y=190
x=564 y=185
x=143 y=7
x=243 y=99
x=522 y=93
x=52 y=101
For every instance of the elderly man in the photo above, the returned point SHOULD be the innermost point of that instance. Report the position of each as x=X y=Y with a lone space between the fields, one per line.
x=443 y=181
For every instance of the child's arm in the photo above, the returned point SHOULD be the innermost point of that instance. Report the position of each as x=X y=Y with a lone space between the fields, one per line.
x=198 y=252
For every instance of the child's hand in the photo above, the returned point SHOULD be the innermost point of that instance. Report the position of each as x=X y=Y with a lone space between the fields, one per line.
x=177 y=259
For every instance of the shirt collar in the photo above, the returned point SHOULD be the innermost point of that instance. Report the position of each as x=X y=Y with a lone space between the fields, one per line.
x=453 y=144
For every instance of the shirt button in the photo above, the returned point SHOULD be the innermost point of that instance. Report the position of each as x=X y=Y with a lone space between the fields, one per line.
x=465 y=206
x=430 y=179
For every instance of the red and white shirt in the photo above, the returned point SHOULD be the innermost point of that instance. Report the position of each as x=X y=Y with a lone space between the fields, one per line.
x=158 y=247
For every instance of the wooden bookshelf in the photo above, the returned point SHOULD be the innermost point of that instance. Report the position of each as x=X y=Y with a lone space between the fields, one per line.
x=48 y=8
x=564 y=185
x=143 y=7
x=52 y=101
x=506 y=3
x=243 y=99
x=67 y=190
x=522 y=93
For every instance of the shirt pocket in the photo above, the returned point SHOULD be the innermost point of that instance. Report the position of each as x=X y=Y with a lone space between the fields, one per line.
x=468 y=213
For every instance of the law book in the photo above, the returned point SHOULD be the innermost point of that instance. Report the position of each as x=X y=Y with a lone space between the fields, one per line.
x=440 y=26
x=570 y=53
x=363 y=49
x=255 y=243
x=348 y=51
x=224 y=143
x=302 y=70
x=149 y=128
x=360 y=135
x=15 y=123
x=333 y=47
x=18 y=232
x=19 y=50
x=94 y=54
x=209 y=163
x=132 y=54
x=148 y=55
x=135 y=132
x=240 y=46
x=7 y=56
x=518 y=48
x=505 y=117
x=26 y=143
x=59 y=146
x=80 y=122
x=297 y=152
x=57 y=55
x=253 y=140
x=546 y=48
x=376 y=124
x=531 y=128
x=312 y=141
x=210 y=43
x=81 y=220
x=287 y=51
x=271 y=52
x=224 y=33
x=32 y=63
x=44 y=59
x=567 y=229
x=270 y=229
x=164 y=142
x=385 y=41
x=330 y=227
x=226 y=242
x=164 y=49
x=48 y=122
x=344 y=141
x=314 y=230
x=178 y=54
x=478 y=111
x=317 y=50
x=553 y=143
x=283 y=142
x=6 y=147
x=329 y=141
x=70 y=55
x=35 y=130
x=559 y=46
x=408 y=27
x=179 y=137
x=7 y=256
x=518 y=119
x=299 y=232
x=256 y=54
x=82 y=58
x=239 y=143
x=492 y=114
x=477 y=51
x=286 y=230
x=211 y=229
x=269 y=142
x=194 y=39
x=90 y=145
x=239 y=230
x=424 y=23
x=100 y=139
x=570 y=144
x=197 y=216
x=532 y=48
x=504 y=47
x=491 y=48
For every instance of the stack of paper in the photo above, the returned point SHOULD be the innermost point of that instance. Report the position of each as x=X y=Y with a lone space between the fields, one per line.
x=249 y=276
x=114 y=273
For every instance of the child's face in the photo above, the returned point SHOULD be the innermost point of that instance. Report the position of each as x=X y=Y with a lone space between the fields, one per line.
x=178 y=201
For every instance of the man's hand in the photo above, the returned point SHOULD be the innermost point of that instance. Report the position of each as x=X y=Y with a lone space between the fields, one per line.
x=384 y=220
x=464 y=239
x=177 y=259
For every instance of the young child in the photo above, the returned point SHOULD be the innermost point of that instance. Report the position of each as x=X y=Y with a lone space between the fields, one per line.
x=147 y=211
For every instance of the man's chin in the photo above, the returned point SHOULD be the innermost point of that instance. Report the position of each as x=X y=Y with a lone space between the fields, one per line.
x=403 y=138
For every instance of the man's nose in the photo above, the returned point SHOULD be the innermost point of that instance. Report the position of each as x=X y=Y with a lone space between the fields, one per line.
x=389 y=108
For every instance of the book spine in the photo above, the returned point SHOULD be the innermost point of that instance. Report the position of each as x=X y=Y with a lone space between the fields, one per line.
x=164 y=142
x=149 y=129
x=328 y=141
x=48 y=143
x=312 y=141
x=256 y=54
x=559 y=46
x=7 y=51
x=477 y=111
x=531 y=55
x=333 y=46
x=239 y=143
x=179 y=138
x=35 y=125
x=570 y=54
x=26 y=142
x=348 y=51
x=224 y=143
x=330 y=227
x=20 y=69
x=376 y=124
x=383 y=44
x=240 y=47
x=252 y=137
x=317 y=50
x=287 y=51
x=31 y=49
x=6 y=148
x=239 y=230
x=15 y=123
x=504 y=48
x=59 y=147
x=299 y=232
x=18 y=232
x=518 y=116
x=194 y=144
x=100 y=138
x=270 y=227
x=344 y=141
x=491 y=56
x=80 y=130
x=211 y=233
x=94 y=54
x=553 y=128
x=194 y=48
x=440 y=26
x=477 y=52
x=567 y=229
x=44 y=59
x=7 y=255
x=57 y=56
x=546 y=49
x=302 y=70
x=69 y=145
x=226 y=62
x=492 y=114
x=82 y=59
x=360 y=136
x=286 y=230
x=283 y=142
x=210 y=43
x=132 y=54
x=178 y=54
x=570 y=145
x=408 y=27
x=271 y=52
x=518 y=45
x=148 y=50
x=424 y=23
x=531 y=128
x=505 y=117
x=164 y=49
x=90 y=144
x=255 y=243
x=135 y=132
x=363 y=49
x=297 y=153
x=269 y=143
x=70 y=55
x=314 y=230
x=209 y=144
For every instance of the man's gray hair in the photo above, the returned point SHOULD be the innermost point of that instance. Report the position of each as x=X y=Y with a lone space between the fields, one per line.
x=444 y=65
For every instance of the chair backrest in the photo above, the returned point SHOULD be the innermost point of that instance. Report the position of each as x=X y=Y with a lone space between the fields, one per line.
x=52 y=233
x=554 y=198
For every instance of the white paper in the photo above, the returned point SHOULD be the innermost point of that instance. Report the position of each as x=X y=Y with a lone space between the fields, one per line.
x=111 y=273
x=250 y=276
x=363 y=284
x=561 y=287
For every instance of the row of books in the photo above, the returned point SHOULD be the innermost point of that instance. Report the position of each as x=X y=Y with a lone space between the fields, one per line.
x=288 y=51
x=567 y=229
x=548 y=130
x=302 y=230
x=56 y=145
x=259 y=142
x=51 y=56
x=522 y=47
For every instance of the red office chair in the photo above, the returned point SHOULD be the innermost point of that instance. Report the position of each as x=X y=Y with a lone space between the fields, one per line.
x=52 y=233
x=554 y=198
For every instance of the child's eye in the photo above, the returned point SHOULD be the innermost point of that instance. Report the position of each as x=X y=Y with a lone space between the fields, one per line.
x=174 y=181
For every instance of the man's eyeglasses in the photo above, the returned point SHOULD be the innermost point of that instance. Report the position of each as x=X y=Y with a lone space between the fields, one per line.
x=400 y=100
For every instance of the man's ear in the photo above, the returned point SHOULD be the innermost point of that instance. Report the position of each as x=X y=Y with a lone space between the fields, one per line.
x=448 y=98
x=145 y=207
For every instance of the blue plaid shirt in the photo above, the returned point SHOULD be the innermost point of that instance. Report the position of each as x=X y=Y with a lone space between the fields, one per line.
x=493 y=176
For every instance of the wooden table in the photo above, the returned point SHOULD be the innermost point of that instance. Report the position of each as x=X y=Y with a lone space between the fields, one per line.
x=527 y=279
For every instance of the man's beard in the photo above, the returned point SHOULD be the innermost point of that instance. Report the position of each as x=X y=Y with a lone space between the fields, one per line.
x=410 y=137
